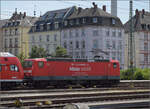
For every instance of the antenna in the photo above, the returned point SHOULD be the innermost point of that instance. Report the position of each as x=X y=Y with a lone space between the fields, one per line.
x=34 y=11
x=15 y=10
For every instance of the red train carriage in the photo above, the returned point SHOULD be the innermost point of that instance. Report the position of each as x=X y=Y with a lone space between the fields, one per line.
x=71 y=71
x=11 y=71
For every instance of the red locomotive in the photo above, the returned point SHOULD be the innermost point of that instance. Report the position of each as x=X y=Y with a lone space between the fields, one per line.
x=11 y=71
x=60 y=72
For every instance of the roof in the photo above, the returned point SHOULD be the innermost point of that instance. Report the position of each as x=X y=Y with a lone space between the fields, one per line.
x=90 y=12
x=20 y=19
x=2 y=22
x=56 y=15
x=138 y=20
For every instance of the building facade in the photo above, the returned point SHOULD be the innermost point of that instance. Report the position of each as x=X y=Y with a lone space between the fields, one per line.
x=141 y=33
x=92 y=32
x=2 y=22
x=15 y=33
x=46 y=31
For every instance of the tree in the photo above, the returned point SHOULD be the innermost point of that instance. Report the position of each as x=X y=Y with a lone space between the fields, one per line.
x=21 y=57
x=38 y=52
x=60 y=52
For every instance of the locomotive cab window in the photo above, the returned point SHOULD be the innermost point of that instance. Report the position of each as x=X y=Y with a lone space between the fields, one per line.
x=115 y=65
x=27 y=64
x=41 y=64
x=13 y=68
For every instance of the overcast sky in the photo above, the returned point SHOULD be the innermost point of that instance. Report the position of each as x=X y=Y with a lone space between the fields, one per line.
x=8 y=6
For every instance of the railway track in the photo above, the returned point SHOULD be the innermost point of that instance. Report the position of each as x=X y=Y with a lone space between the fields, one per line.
x=58 y=98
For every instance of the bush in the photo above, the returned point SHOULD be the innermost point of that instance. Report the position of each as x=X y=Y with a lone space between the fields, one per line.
x=136 y=74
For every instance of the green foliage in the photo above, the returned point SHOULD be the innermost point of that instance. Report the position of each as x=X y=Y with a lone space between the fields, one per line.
x=21 y=58
x=60 y=52
x=135 y=74
x=38 y=52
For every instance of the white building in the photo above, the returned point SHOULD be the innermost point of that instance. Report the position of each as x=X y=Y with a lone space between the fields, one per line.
x=141 y=33
x=93 y=32
x=46 y=31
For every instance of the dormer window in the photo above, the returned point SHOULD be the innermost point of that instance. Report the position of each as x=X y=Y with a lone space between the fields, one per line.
x=95 y=20
x=65 y=23
x=56 y=25
x=83 y=20
x=71 y=22
x=77 y=21
x=41 y=27
x=48 y=26
x=113 y=21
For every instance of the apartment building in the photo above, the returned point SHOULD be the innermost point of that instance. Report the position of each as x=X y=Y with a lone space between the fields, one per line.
x=45 y=32
x=141 y=33
x=2 y=22
x=15 y=33
x=93 y=32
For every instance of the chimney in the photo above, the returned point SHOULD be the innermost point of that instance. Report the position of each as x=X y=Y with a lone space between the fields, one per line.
x=104 y=8
x=95 y=6
x=143 y=11
x=24 y=14
x=79 y=10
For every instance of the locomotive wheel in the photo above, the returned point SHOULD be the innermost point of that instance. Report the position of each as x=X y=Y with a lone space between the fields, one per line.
x=40 y=84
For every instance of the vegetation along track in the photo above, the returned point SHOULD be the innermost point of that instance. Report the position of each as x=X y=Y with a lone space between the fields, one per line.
x=59 y=99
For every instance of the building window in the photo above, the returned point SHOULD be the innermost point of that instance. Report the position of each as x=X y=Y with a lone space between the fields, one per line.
x=33 y=39
x=16 y=42
x=71 y=22
x=113 y=55
x=84 y=20
x=77 y=33
x=107 y=32
x=83 y=44
x=71 y=45
x=65 y=23
x=77 y=44
x=95 y=44
x=70 y=34
x=146 y=46
x=5 y=43
x=10 y=32
x=47 y=38
x=119 y=34
x=65 y=35
x=95 y=32
x=77 y=21
x=113 y=21
x=48 y=26
x=114 y=45
x=16 y=51
x=55 y=37
x=65 y=45
x=145 y=36
x=95 y=20
x=83 y=32
x=107 y=44
x=56 y=25
x=10 y=42
x=120 y=45
x=114 y=33
x=41 y=27
x=6 y=32
x=145 y=58
x=16 y=31
x=40 y=38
